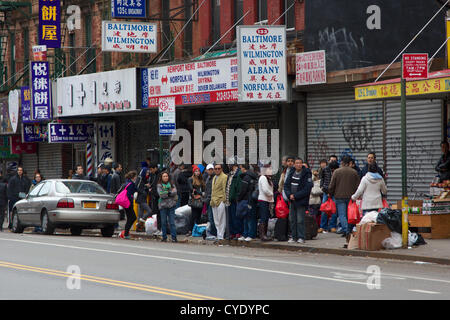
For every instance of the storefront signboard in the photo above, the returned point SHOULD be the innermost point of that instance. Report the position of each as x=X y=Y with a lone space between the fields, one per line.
x=262 y=63
x=50 y=23
x=70 y=132
x=41 y=99
x=194 y=83
x=5 y=149
x=128 y=8
x=34 y=132
x=129 y=37
x=310 y=68
x=18 y=147
x=13 y=106
x=97 y=93
x=106 y=141
x=25 y=102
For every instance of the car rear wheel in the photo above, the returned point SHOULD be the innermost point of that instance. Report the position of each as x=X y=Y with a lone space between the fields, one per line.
x=46 y=225
x=75 y=231
x=16 y=225
x=108 y=231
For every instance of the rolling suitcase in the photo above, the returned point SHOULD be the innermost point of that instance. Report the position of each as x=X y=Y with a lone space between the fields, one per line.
x=281 y=229
x=310 y=227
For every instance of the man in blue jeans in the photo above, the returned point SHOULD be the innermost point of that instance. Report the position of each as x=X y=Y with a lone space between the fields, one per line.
x=343 y=185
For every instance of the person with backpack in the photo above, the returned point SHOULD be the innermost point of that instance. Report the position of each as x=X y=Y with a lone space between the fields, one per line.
x=246 y=203
x=130 y=186
x=265 y=200
x=167 y=202
x=297 y=188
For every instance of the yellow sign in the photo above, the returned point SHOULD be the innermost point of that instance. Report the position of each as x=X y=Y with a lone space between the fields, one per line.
x=392 y=90
x=448 y=43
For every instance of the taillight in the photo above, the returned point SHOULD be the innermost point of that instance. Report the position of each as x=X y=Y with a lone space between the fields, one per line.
x=65 y=203
x=110 y=205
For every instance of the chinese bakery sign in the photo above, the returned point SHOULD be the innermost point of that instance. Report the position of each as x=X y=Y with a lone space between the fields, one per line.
x=262 y=63
x=212 y=81
x=40 y=91
x=50 y=23
x=97 y=93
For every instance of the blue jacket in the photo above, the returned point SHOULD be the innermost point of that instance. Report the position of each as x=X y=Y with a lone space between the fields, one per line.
x=304 y=187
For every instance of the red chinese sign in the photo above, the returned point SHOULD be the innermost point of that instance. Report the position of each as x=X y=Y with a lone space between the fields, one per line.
x=415 y=66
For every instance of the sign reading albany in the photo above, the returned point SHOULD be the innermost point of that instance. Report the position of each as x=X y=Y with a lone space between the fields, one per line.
x=262 y=63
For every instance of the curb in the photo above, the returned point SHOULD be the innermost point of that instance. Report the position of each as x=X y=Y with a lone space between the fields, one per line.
x=303 y=248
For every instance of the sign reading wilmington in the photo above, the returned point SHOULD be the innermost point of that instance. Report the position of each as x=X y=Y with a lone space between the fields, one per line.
x=129 y=37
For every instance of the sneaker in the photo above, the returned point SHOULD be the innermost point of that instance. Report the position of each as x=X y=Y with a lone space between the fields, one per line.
x=158 y=233
x=141 y=220
x=242 y=238
x=248 y=239
x=122 y=235
x=320 y=230
x=324 y=231
x=174 y=240
x=291 y=240
x=301 y=241
x=333 y=230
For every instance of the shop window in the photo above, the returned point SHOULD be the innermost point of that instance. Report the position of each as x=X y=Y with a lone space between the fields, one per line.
x=262 y=10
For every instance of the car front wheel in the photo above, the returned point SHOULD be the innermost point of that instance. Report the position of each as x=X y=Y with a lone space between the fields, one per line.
x=16 y=225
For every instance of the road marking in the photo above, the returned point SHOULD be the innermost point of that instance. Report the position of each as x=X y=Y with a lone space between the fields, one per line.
x=424 y=291
x=233 y=256
x=191 y=261
x=112 y=282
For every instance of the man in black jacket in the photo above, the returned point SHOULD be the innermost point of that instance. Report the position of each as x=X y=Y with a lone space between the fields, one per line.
x=371 y=159
x=18 y=187
x=116 y=180
x=153 y=185
x=3 y=199
x=183 y=184
x=247 y=186
x=79 y=173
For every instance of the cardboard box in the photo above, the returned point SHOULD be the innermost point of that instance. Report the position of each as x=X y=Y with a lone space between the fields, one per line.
x=370 y=235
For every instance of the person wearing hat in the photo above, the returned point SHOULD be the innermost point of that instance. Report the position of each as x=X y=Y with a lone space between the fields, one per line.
x=183 y=184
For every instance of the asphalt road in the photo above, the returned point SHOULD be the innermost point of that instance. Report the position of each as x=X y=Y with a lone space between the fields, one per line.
x=34 y=266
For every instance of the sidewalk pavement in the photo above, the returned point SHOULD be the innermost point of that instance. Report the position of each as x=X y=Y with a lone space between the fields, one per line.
x=435 y=251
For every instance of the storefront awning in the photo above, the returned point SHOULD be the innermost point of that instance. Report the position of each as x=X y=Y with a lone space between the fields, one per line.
x=437 y=82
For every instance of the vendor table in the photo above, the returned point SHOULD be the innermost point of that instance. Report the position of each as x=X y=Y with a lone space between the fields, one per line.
x=431 y=226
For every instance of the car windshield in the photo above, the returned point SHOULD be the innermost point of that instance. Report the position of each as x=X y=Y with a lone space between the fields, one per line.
x=78 y=187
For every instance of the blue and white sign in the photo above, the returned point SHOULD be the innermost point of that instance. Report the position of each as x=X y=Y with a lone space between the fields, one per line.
x=167 y=116
x=128 y=9
x=41 y=99
x=262 y=63
x=70 y=132
x=129 y=37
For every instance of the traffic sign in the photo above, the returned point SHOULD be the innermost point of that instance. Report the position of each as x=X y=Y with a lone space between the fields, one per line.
x=415 y=66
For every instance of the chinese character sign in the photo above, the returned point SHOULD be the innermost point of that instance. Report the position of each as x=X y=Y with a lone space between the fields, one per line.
x=262 y=63
x=50 y=23
x=106 y=139
x=64 y=132
x=25 y=98
x=129 y=37
x=310 y=68
x=34 y=132
x=18 y=147
x=40 y=91
x=128 y=8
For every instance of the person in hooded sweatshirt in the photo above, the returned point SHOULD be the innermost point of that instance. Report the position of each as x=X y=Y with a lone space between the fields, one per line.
x=371 y=189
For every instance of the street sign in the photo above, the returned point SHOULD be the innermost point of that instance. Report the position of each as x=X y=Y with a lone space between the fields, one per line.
x=311 y=68
x=70 y=133
x=415 y=66
x=166 y=117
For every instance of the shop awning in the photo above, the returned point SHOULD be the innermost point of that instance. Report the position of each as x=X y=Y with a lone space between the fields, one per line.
x=437 y=82
x=216 y=54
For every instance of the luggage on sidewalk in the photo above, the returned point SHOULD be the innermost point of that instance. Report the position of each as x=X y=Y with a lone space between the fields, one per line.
x=310 y=227
x=281 y=229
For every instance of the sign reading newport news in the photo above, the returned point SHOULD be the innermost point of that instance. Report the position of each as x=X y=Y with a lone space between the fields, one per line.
x=128 y=8
x=129 y=37
x=262 y=63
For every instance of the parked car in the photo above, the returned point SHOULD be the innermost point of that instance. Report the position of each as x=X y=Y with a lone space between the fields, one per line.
x=74 y=204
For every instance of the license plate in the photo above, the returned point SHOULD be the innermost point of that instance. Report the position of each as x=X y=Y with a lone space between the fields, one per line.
x=90 y=205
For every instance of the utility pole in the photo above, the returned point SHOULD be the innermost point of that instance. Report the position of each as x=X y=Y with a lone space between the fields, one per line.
x=404 y=163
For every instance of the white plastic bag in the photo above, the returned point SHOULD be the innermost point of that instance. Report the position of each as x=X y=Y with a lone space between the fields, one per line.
x=271 y=228
x=151 y=225
x=369 y=217
x=183 y=211
x=394 y=242
x=412 y=238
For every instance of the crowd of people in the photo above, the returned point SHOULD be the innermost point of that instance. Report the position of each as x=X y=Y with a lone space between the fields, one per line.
x=236 y=200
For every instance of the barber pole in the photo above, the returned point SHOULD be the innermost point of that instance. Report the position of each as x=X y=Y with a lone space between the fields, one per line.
x=89 y=163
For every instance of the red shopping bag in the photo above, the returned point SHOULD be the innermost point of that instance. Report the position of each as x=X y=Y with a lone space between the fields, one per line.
x=385 y=203
x=329 y=207
x=281 y=209
x=353 y=213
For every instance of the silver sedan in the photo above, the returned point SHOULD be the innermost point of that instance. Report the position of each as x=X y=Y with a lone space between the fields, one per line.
x=74 y=204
